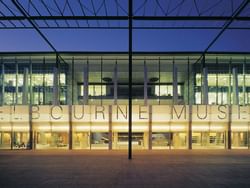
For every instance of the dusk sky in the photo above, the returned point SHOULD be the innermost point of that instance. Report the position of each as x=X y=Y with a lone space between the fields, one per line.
x=110 y=40
x=143 y=40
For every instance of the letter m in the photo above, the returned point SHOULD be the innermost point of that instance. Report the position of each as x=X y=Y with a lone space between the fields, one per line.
x=183 y=110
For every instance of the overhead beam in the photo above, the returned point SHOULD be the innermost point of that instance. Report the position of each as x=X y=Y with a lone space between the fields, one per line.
x=189 y=18
x=225 y=26
x=26 y=15
x=34 y=25
x=135 y=18
x=135 y=27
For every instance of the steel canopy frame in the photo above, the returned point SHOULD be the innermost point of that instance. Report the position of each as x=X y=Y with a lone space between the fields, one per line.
x=139 y=18
x=225 y=26
x=149 y=19
x=76 y=14
x=22 y=17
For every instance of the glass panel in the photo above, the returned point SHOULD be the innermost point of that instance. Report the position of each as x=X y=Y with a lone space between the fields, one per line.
x=10 y=87
x=99 y=140
x=179 y=140
x=96 y=90
x=81 y=140
x=48 y=84
x=239 y=139
x=208 y=139
x=52 y=140
x=21 y=140
x=197 y=88
x=121 y=140
x=161 y=140
x=5 y=140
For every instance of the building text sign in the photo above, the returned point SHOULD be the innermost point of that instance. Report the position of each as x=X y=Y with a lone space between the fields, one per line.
x=119 y=113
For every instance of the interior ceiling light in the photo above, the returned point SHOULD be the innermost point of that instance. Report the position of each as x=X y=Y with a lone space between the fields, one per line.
x=107 y=79
x=153 y=79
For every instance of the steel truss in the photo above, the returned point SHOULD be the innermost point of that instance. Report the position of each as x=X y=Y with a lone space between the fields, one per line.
x=114 y=14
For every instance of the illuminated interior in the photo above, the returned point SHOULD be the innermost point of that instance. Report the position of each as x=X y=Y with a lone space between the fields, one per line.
x=176 y=102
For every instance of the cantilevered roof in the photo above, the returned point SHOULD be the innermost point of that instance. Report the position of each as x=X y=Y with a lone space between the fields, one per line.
x=43 y=15
x=113 y=14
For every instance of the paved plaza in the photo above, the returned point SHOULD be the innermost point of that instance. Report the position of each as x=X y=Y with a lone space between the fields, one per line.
x=107 y=169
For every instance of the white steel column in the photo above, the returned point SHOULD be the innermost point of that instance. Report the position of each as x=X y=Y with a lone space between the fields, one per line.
x=115 y=80
x=86 y=83
x=55 y=86
x=25 y=88
x=16 y=93
x=205 y=86
x=2 y=80
x=244 y=83
x=145 y=84
x=235 y=86
x=175 y=84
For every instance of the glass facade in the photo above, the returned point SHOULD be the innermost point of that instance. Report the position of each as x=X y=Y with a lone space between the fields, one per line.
x=218 y=86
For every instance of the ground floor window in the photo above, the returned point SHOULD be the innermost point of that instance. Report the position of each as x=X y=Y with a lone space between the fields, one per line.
x=5 y=140
x=208 y=140
x=81 y=140
x=52 y=140
x=169 y=140
x=179 y=140
x=58 y=137
x=161 y=140
x=139 y=140
x=240 y=139
x=99 y=140
x=21 y=140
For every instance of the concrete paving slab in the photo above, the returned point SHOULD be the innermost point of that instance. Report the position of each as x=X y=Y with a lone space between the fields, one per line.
x=108 y=169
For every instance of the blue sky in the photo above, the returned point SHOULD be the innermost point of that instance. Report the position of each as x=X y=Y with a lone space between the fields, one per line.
x=117 y=40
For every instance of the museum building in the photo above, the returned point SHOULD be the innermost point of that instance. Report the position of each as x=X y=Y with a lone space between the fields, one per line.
x=80 y=101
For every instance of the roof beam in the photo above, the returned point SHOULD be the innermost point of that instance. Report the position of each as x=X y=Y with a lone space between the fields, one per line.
x=136 y=18
x=225 y=26
x=4 y=27
x=32 y=22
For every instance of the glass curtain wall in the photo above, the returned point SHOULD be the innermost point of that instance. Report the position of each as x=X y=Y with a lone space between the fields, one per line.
x=222 y=75
x=103 y=80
